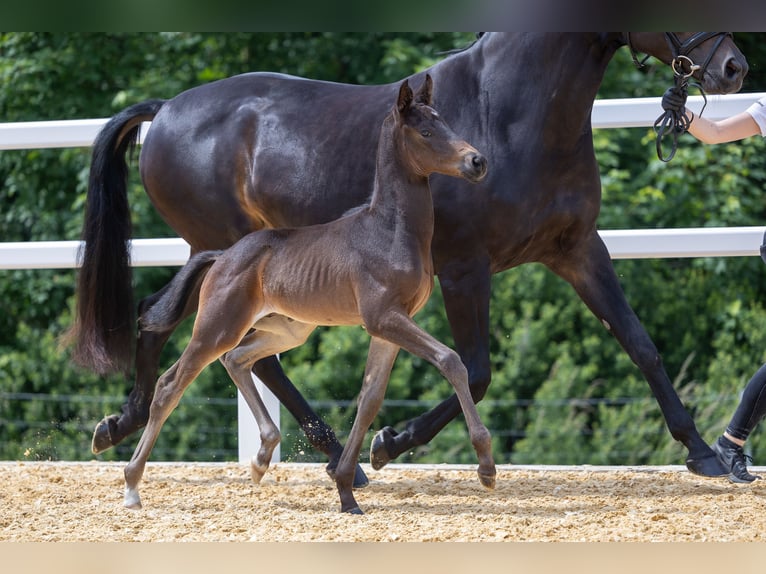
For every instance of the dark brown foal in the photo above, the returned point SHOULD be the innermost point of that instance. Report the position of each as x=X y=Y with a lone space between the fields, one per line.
x=372 y=267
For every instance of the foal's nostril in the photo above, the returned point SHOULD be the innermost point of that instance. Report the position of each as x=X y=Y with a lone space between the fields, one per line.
x=479 y=162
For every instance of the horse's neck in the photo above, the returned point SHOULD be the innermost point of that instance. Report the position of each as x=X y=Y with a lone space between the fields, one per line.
x=547 y=80
x=400 y=197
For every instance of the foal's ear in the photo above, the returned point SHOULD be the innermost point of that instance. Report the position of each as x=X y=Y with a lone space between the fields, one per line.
x=405 y=97
x=425 y=93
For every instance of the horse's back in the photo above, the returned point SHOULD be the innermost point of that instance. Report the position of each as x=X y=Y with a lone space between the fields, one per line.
x=261 y=150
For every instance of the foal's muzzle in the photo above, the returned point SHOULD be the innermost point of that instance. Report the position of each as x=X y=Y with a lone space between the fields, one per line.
x=475 y=167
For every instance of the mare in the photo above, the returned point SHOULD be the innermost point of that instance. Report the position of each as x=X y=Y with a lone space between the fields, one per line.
x=268 y=150
x=372 y=267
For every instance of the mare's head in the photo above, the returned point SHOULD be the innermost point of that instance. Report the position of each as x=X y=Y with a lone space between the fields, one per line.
x=712 y=58
x=430 y=146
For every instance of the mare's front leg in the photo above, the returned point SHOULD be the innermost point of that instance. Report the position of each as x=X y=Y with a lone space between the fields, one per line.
x=588 y=268
x=113 y=429
x=380 y=361
x=318 y=432
x=466 y=291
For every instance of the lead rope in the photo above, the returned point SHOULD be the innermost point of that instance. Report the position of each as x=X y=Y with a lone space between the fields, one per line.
x=673 y=120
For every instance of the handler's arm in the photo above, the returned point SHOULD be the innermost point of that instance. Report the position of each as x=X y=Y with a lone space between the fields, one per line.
x=737 y=127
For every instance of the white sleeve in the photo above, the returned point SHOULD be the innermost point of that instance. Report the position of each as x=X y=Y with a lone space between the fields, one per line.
x=758 y=112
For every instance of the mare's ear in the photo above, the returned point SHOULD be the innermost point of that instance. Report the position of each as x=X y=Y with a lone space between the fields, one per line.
x=425 y=93
x=405 y=97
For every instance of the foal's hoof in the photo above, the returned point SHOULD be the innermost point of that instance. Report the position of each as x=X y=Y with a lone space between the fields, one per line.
x=132 y=499
x=708 y=465
x=256 y=473
x=102 y=437
x=487 y=479
x=355 y=510
x=379 y=456
x=360 y=478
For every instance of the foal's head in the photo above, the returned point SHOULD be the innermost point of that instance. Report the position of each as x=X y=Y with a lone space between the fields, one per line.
x=429 y=143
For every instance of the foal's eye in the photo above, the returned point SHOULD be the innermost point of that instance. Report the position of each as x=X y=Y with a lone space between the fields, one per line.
x=425 y=133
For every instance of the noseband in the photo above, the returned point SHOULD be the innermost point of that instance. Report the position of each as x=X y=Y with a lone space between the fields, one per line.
x=681 y=63
x=673 y=119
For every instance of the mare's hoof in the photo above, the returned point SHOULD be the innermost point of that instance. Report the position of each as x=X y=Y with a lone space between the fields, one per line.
x=708 y=465
x=379 y=456
x=360 y=478
x=102 y=437
x=355 y=510
x=487 y=480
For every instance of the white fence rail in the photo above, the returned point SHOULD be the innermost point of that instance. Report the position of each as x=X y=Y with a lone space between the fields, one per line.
x=622 y=244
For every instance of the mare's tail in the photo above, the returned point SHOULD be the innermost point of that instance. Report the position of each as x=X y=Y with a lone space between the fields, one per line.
x=104 y=328
x=169 y=310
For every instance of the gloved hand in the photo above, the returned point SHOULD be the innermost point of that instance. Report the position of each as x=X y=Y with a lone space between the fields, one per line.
x=674 y=100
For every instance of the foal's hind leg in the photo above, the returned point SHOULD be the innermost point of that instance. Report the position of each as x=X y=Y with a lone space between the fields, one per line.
x=113 y=429
x=272 y=335
x=399 y=328
x=170 y=388
x=237 y=364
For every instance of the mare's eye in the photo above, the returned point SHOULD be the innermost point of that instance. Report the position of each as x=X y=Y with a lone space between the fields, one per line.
x=425 y=133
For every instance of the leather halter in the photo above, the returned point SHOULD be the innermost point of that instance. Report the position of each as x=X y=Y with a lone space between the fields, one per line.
x=673 y=121
x=681 y=50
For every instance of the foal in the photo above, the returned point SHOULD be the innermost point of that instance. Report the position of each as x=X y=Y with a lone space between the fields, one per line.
x=265 y=294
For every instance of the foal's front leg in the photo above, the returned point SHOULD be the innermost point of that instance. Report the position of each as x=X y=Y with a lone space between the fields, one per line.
x=399 y=328
x=380 y=361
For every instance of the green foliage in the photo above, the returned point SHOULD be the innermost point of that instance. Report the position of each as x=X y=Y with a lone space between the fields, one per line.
x=562 y=392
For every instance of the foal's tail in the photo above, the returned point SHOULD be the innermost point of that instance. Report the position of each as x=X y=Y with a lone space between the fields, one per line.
x=104 y=328
x=169 y=310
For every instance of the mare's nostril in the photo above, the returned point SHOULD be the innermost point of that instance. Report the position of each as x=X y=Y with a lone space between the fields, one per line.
x=734 y=67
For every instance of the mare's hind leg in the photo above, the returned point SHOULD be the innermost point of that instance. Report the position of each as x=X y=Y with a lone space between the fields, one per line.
x=113 y=429
x=399 y=328
x=588 y=268
x=318 y=432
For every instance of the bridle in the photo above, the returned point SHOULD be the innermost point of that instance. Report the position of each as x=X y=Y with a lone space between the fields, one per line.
x=681 y=50
x=674 y=121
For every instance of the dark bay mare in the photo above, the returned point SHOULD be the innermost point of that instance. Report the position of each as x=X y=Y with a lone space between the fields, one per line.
x=372 y=267
x=267 y=150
